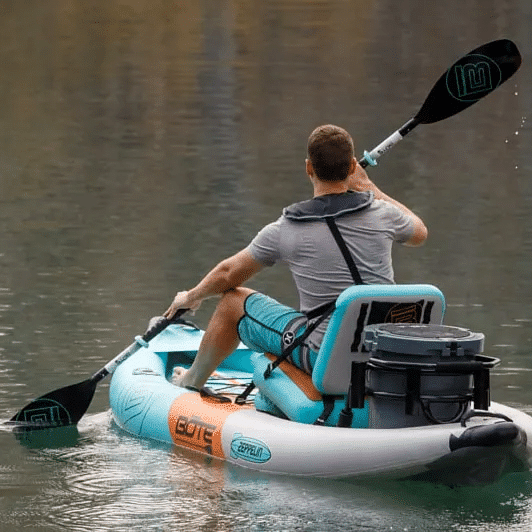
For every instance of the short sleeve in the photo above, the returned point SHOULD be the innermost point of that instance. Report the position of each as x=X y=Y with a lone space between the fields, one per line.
x=264 y=248
x=400 y=223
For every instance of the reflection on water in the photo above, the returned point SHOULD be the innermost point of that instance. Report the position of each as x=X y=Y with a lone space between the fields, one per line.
x=143 y=141
x=57 y=438
x=110 y=481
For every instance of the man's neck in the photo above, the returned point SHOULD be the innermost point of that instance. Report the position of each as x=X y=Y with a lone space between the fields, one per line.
x=322 y=188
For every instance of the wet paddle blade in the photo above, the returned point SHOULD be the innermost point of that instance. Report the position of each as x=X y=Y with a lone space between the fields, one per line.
x=471 y=78
x=59 y=408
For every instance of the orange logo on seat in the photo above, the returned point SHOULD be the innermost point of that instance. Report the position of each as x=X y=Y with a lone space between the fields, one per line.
x=404 y=313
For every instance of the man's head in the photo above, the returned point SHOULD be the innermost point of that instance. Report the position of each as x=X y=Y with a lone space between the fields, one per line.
x=330 y=152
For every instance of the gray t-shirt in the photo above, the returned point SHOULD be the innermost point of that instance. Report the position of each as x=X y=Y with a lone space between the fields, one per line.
x=316 y=262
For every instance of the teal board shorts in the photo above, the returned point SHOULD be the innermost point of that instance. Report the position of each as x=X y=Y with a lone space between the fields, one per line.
x=269 y=326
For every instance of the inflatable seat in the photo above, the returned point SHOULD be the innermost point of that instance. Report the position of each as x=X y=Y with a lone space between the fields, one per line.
x=363 y=305
x=289 y=392
x=300 y=396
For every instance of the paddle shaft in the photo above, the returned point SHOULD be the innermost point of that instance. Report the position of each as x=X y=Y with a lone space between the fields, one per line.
x=140 y=341
x=388 y=143
x=113 y=364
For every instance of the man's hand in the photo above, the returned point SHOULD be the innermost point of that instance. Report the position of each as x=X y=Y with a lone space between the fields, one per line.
x=182 y=300
x=359 y=180
x=226 y=275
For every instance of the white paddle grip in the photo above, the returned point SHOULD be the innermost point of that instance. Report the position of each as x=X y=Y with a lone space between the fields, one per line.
x=384 y=146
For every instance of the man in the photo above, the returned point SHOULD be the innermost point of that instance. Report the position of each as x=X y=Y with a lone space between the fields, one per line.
x=368 y=221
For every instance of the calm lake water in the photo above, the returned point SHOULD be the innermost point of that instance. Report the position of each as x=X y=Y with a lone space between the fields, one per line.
x=143 y=141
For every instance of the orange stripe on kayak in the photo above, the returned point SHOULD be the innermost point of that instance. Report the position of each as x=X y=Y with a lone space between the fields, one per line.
x=196 y=422
x=301 y=379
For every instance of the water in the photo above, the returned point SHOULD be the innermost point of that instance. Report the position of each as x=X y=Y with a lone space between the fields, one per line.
x=141 y=142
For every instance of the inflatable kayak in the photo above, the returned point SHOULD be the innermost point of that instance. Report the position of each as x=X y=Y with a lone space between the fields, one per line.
x=394 y=393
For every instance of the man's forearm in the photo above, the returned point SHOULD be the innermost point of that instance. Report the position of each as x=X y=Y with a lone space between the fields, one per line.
x=219 y=280
x=226 y=275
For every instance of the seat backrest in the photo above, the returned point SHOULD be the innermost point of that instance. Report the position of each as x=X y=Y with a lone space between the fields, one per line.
x=362 y=305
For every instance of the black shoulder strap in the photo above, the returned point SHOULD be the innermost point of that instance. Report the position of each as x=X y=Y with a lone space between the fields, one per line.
x=343 y=248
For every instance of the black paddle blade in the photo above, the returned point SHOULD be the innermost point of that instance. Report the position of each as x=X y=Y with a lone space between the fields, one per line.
x=471 y=78
x=59 y=408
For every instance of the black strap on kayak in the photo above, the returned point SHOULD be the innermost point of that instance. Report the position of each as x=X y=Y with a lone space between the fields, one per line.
x=321 y=313
x=207 y=392
x=344 y=249
x=328 y=407
x=242 y=398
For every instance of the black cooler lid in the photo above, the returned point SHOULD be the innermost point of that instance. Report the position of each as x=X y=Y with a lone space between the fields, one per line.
x=424 y=340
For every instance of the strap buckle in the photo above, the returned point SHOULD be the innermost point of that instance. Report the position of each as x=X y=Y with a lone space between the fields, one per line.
x=268 y=371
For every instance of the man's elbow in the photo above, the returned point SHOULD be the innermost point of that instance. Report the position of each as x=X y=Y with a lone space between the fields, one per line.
x=238 y=269
x=421 y=234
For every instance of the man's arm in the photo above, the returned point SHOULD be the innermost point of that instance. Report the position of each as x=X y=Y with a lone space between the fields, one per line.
x=360 y=182
x=230 y=273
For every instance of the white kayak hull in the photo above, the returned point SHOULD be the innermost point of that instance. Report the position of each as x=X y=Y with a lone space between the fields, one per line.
x=146 y=404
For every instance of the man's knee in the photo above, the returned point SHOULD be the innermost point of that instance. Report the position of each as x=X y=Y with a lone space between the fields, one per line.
x=232 y=301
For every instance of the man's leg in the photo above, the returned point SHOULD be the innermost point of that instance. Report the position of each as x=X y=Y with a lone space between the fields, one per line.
x=220 y=338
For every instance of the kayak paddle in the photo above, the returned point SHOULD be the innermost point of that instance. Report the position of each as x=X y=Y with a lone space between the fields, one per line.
x=67 y=405
x=471 y=78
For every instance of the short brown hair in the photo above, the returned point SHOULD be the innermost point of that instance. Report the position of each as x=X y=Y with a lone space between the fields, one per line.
x=330 y=150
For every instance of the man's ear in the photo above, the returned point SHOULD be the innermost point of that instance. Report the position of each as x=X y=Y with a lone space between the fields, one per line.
x=310 y=170
x=353 y=166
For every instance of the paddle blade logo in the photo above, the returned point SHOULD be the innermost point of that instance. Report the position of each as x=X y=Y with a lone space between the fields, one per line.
x=473 y=77
x=44 y=412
